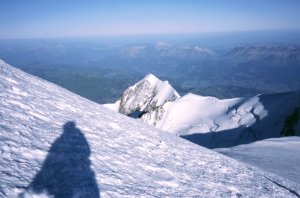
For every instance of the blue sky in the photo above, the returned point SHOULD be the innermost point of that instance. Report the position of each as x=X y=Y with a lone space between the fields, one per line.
x=71 y=18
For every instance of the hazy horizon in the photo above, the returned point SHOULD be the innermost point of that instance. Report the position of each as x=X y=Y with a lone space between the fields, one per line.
x=67 y=19
x=219 y=48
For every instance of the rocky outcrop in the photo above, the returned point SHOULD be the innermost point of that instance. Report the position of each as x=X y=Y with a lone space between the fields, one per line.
x=145 y=96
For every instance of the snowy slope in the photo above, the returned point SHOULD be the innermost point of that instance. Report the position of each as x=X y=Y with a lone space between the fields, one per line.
x=56 y=142
x=145 y=96
x=277 y=155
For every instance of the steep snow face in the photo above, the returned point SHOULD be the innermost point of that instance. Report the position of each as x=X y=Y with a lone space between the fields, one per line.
x=145 y=96
x=57 y=144
x=220 y=123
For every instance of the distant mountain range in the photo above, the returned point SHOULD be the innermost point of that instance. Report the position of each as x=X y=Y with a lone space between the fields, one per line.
x=265 y=52
x=237 y=71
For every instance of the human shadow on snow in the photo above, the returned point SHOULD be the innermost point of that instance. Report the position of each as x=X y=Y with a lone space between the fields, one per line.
x=66 y=171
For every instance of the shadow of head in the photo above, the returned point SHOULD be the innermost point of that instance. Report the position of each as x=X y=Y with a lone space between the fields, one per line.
x=69 y=126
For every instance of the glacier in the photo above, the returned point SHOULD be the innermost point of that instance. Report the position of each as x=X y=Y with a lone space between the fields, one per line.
x=219 y=123
x=55 y=143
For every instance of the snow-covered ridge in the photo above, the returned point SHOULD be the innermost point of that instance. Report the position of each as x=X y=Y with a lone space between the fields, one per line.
x=221 y=123
x=145 y=96
x=212 y=122
x=58 y=144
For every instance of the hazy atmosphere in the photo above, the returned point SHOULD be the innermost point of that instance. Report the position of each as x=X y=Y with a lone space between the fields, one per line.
x=161 y=98
x=52 y=18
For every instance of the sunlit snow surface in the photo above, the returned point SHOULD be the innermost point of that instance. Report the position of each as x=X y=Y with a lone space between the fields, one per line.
x=205 y=120
x=49 y=137
x=277 y=155
x=192 y=114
